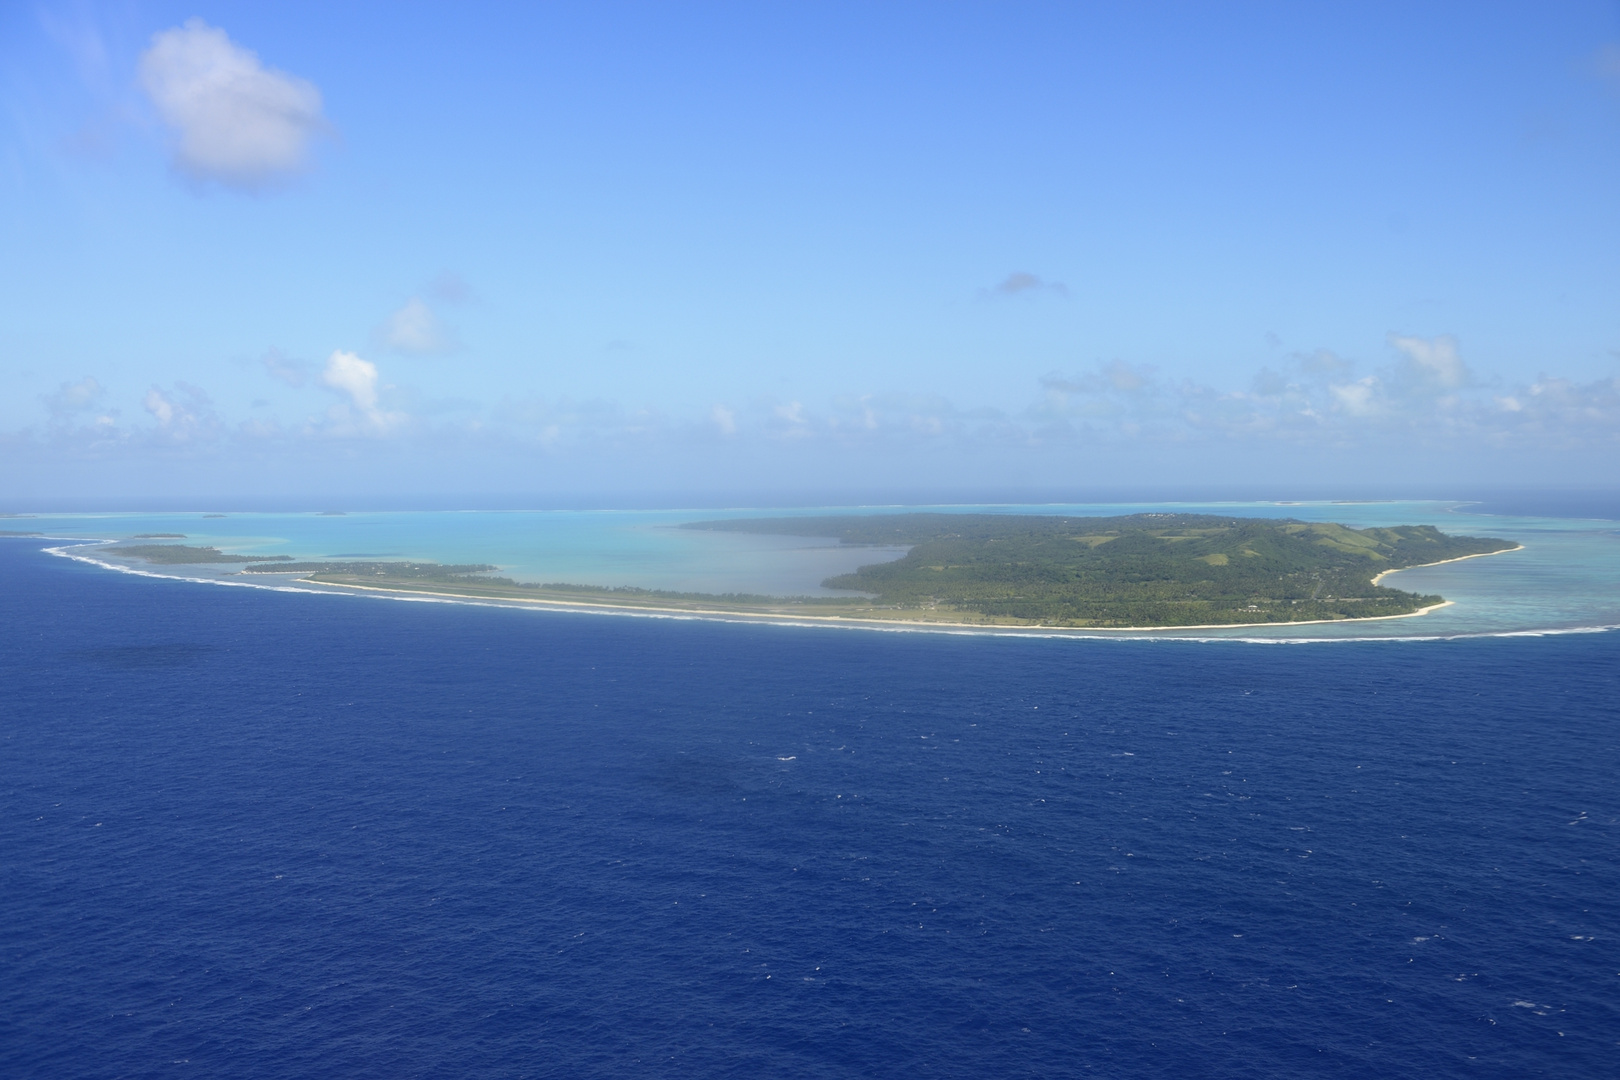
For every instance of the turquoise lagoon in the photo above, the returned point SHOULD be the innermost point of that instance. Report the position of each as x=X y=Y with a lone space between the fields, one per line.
x=1566 y=578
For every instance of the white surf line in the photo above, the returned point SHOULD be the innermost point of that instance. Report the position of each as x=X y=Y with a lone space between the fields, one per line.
x=66 y=552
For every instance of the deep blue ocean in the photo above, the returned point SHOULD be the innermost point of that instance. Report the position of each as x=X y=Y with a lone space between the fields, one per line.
x=256 y=834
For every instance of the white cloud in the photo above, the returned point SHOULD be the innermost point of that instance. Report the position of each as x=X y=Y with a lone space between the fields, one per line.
x=184 y=414
x=357 y=380
x=74 y=396
x=237 y=122
x=414 y=328
x=348 y=374
x=1359 y=398
x=1323 y=362
x=1116 y=376
x=1269 y=383
x=724 y=419
x=1433 y=360
x=160 y=406
x=857 y=412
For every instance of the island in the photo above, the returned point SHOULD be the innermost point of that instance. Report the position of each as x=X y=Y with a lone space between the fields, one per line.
x=185 y=555
x=1139 y=571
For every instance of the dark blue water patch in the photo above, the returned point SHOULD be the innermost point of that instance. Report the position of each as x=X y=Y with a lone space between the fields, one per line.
x=258 y=834
x=1549 y=502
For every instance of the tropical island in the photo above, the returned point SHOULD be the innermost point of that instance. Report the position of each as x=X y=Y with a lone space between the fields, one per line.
x=1135 y=571
x=185 y=555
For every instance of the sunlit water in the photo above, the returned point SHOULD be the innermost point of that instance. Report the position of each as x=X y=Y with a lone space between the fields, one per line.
x=1567 y=577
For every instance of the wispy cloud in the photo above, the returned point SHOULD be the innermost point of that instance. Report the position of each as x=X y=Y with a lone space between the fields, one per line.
x=283 y=368
x=415 y=328
x=450 y=287
x=1432 y=361
x=183 y=413
x=1607 y=62
x=77 y=32
x=1116 y=376
x=73 y=397
x=160 y=407
x=1023 y=283
x=236 y=122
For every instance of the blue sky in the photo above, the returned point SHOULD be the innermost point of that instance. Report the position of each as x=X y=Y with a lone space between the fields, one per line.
x=645 y=251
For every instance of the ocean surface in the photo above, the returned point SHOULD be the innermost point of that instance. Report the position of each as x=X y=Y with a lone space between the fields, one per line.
x=256 y=833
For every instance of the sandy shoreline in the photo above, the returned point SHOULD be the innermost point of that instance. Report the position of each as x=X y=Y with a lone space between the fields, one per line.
x=841 y=620
x=1442 y=562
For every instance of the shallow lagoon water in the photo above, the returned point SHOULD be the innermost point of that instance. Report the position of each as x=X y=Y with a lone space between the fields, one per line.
x=1566 y=579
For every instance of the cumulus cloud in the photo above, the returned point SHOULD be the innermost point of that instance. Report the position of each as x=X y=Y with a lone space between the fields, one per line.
x=77 y=410
x=1429 y=382
x=1359 y=398
x=867 y=419
x=790 y=419
x=1116 y=376
x=414 y=328
x=1560 y=410
x=1269 y=384
x=160 y=406
x=1422 y=395
x=358 y=381
x=1023 y=283
x=1427 y=396
x=236 y=122
x=1323 y=362
x=183 y=414
x=72 y=397
x=1434 y=361
x=348 y=374
x=565 y=422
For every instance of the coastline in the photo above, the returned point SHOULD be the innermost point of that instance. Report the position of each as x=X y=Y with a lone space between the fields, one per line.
x=1442 y=562
x=857 y=623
